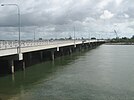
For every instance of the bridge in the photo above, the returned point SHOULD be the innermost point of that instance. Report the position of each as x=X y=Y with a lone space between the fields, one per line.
x=31 y=52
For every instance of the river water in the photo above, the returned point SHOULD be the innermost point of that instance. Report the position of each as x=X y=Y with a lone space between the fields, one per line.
x=103 y=73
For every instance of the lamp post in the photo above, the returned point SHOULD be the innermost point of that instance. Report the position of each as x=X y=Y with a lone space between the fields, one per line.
x=34 y=35
x=18 y=8
x=74 y=37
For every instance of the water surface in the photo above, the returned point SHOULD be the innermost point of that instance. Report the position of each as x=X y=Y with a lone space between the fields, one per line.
x=104 y=73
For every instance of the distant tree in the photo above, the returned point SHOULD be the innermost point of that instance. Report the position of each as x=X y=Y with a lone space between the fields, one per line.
x=51 y=39
x=124 y=38
x=40 y=38
x=70 y=38
x=61 y=39
x=132 y=37
x=93 y=38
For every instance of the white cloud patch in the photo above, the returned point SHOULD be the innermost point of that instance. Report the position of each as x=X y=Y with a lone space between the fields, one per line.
x=118 y=2
x=106 y=15
x=126 y=15
x=103 y=3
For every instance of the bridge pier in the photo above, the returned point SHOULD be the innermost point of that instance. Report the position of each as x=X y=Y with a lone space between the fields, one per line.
x=74 y=45
x=41 y=55
x=70 y=51
x=11 y=64
x=80 y=48
x=58 y=49
x=23 y=65
x=52 y=55
x=30 y=58
x=62 y=52
x=89 y=46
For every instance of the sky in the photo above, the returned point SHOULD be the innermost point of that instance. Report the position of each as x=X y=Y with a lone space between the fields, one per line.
x=57 y=18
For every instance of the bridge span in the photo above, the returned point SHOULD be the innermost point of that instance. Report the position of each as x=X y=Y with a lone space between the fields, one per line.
x=32 y=52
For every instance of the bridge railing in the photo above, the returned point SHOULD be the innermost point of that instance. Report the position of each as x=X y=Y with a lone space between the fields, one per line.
x=29 y=43
x=14 y=44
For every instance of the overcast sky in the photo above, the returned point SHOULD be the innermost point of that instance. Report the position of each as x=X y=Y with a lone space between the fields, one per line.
x=57 y=18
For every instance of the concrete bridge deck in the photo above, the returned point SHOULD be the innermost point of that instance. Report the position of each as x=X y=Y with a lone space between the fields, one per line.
x=32 y=52
x=11 y=47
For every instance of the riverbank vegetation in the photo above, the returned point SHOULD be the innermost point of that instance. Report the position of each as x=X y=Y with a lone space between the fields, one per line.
x=123 y=40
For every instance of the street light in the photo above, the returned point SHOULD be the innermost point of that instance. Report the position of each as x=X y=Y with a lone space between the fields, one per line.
x=74 y=37
x=115 y=31
x=18 y=22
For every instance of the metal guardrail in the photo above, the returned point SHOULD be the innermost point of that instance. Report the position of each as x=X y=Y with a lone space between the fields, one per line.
x=29 y=43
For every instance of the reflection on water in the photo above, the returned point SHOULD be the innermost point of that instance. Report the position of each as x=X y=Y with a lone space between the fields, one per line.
x=21 y=81
x=104 y=73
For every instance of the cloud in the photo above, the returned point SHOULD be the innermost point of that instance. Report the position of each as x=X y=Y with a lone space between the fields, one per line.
x=106 y=15
x=60 y=16
x=126 y=15
x=118 y=2
x=103 y=4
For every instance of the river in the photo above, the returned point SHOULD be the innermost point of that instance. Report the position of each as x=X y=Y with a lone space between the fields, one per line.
x=103 y=73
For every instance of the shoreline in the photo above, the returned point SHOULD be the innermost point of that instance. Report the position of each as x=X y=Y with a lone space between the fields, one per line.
x=120 y=43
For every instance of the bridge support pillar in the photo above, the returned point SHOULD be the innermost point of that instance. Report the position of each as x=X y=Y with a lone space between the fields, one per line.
x=62 y=52
x=30 y=56
x=70 y=50
x=74 y=45
x=41 y=55
x=52 y=54
x=11 y=64
x=91 y=45
x=80 y=48
x=88 y=46
x=23 y=65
